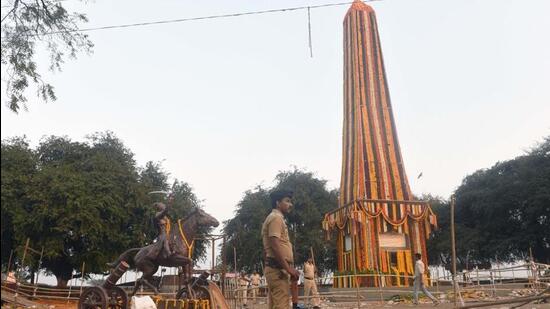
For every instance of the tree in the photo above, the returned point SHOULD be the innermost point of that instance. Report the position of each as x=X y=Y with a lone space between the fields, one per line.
x=82 y=202
x=244 y=229
x=501 y=212
x=311 y=200
x=26 y=27
x=18 y=167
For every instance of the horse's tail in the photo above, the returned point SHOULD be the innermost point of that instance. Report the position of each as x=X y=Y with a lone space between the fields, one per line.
x=127 y=256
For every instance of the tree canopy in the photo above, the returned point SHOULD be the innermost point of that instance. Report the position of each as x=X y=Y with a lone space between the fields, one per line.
x=81 y=201
x=501 y=213
x=27 y=27
x=311 y=200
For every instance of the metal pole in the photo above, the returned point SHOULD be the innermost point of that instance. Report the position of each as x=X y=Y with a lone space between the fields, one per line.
x=437 y=280
x=453 y=249
x=213 y=256
x=70 y=287
x=38 y=272
x=353 y=237
x=22 y=266
x=380 y=287
x=82 y=276
x=235 y=261
x=9 y=267
x=498 y=269
x=223 y=267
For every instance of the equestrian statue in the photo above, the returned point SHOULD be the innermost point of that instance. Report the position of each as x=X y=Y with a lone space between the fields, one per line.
x=173 y=247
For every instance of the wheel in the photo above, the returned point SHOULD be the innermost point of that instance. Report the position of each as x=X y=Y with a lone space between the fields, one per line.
x=118 y=299
x=201 y=292
x=182 y=294
x=93 y=298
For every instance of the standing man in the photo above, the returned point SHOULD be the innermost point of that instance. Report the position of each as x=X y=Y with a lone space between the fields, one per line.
x=279 y=259
x=309 y=283
x=419 y=269
x=243 y=288
x=255 y=282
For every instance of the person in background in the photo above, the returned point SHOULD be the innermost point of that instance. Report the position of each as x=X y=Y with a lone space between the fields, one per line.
x=419 y=269
x=310 y=285
x=243 y=288
x=255 y=283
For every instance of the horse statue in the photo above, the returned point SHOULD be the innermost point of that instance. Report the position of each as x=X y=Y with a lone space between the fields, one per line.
x=181 y=236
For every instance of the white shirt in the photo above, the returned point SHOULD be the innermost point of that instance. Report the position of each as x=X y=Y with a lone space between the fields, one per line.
x=419 y=268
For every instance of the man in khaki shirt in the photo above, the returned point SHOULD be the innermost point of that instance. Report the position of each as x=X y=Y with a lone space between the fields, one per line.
x=243 y=287
x=255 y=283
x=279 y=258
x=309 y=283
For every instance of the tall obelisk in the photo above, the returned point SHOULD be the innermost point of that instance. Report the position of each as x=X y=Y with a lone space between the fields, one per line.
x=372 y=166
x=379 y=225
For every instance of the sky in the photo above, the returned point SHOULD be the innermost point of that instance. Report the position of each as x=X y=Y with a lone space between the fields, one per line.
x=225 y=104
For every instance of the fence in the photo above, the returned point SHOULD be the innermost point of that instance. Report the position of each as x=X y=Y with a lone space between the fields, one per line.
x=495 y=282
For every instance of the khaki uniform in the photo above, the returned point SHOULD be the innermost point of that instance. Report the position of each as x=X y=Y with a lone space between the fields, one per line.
x=243 y=285
x=278 y=280
x=255 y=282
x=309 y=284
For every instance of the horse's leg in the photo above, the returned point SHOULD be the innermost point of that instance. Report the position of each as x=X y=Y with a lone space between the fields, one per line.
x=136 y=287
x=149 y=270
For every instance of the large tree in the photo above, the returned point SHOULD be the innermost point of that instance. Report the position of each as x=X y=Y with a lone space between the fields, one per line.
x=311 y=200
x=81 y=201
x=84 y=204
x=501 y=212
x=29 y=26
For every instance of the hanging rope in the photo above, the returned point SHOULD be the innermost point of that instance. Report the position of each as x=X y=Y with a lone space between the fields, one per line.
x=309 y=32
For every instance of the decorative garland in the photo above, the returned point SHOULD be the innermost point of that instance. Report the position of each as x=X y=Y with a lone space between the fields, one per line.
x=340 y=217
x=186 y=242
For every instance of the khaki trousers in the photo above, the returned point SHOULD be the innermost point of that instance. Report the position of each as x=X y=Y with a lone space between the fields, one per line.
x=310 y=286
x=255 y=291
x=242 y=294
x=278 y=282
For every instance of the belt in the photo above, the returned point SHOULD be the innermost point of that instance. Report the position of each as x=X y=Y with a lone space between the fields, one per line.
x=273 y=263
x=308 y=278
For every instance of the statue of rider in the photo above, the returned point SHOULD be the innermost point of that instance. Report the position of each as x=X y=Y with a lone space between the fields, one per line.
x=163 y=225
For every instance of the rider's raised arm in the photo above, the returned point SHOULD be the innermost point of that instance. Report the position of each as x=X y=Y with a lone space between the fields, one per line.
x=161 y=210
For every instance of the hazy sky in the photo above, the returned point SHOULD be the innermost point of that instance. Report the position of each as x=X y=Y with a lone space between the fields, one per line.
x=227 y=103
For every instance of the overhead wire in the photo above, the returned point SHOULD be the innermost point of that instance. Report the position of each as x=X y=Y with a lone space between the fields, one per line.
x=179 y=20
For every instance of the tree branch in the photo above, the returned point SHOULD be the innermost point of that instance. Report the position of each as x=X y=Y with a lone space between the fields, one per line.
x=13 y=9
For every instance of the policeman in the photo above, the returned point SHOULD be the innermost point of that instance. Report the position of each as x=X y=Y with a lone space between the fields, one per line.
x=279 y=259
x=309 y=283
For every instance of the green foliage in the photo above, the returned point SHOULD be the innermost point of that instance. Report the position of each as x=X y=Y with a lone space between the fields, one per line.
x=18 y=168
x=29 y=25
x=82 y=202
x=311 y=200
x=500 y=213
